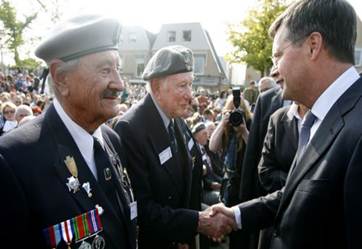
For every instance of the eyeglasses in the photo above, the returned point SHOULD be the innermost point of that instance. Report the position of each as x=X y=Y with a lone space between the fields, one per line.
x=9 y=112
x=276 y=57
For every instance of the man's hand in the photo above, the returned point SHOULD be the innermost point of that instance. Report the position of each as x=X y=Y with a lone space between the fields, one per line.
x=215 y=224
x=220 y=208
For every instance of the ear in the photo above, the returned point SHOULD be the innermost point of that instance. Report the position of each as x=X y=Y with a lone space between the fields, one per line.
x=59 y=78
x=155 y=85
x=315 y=43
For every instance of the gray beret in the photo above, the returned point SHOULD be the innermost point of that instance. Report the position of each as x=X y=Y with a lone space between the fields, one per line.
x=169 y=60
x=80 y=36
x=198 y=127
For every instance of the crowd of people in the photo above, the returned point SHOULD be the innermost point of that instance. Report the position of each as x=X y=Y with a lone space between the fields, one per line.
x=107 y=164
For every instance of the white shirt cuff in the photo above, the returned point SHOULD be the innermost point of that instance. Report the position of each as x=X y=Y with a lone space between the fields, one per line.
x=237 y=216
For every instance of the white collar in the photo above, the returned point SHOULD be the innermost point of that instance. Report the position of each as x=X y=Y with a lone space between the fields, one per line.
x=166 y=120
x=81 y=137
x=293 y=112
x=327 y=99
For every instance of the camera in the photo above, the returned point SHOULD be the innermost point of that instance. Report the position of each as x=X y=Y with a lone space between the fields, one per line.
x=236 y=116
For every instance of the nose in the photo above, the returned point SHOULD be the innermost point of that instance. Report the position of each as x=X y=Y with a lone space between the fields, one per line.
x=118 y=81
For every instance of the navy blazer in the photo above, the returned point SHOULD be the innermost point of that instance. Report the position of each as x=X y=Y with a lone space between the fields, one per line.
x=162 y=189
x=320 y=205
x=33 y=179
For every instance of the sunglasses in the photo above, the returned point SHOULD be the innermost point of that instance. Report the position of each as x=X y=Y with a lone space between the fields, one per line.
x=10 y=111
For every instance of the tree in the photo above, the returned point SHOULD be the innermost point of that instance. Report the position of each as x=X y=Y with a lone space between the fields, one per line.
x=13 y=28
x=250 y=38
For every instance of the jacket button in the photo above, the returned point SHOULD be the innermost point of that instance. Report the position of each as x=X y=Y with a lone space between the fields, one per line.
x=275 y=234
x=169 y=197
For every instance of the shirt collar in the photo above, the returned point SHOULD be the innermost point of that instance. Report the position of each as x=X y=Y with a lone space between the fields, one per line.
x=81 y=137
x=166 y=120
x=327 y=99
x=293 y=112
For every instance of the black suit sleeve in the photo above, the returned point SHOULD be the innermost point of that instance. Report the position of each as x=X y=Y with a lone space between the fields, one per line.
x=159 y=221
x=271 y=175
x=14 y=215
x=261 y=212
x=353 y=200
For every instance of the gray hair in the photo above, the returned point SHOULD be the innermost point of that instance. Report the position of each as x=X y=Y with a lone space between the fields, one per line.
x=266 y=83
x=335 y=20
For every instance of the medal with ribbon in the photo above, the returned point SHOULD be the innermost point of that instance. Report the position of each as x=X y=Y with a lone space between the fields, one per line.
x=78 y=229
x=73 y=182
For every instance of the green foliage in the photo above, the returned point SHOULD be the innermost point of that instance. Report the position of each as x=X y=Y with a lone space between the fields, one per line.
x=250 y=38
x=13 y=28
x=29 y=64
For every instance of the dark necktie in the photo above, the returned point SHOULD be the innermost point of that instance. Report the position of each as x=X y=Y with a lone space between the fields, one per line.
x=106 y=175
x=305 y=134
x=171 y=132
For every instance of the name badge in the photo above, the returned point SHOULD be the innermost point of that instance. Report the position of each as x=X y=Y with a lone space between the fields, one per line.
x=165 y=155
x=133 y=209
x=190 y=144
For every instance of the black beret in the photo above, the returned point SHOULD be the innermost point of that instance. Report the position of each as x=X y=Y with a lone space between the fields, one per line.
x=198 y=127
x=169 y=60
x=80 y=36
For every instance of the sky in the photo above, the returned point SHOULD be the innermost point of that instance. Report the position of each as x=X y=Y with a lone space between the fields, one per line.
x=214 y=16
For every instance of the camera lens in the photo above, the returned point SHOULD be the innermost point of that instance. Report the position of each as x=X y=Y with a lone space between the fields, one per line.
x=236 y=117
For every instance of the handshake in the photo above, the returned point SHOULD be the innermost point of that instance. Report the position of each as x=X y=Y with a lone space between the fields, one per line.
x=216 y=221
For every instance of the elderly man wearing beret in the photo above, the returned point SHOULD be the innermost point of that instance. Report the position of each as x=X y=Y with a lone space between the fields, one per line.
x=159 y=162
x=68 y=189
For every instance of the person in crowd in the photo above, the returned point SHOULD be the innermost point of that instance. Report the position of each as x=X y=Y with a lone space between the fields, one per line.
x=8 y=110
x=251 y=93
x=280 y=146
x=159 y=164
x=266 y=83
x=61 y=172
x=230 y=141
x=212 y=181
x=22 y=111
x=320 y=205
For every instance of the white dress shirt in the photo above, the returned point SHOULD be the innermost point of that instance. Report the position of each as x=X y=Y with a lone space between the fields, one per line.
x=81 y=137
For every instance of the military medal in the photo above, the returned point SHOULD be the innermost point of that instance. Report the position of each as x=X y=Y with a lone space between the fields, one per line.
x=98 y=242
x=85 y=245
x=87 y=188
x=77 y=229
x=73 y=182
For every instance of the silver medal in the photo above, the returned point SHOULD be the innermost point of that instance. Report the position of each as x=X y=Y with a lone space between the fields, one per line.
x=98 y=242
x=85 y=245
x=73 y=184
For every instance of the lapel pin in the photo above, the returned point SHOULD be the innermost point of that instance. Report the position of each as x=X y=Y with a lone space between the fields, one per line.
x=107 y=174
x=87 y=188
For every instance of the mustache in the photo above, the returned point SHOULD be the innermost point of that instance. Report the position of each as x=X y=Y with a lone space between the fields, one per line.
x=111 y=93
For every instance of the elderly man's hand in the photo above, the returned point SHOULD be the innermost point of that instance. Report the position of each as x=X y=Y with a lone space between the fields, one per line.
x=215 y=224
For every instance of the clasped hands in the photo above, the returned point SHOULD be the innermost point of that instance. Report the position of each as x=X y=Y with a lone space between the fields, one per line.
x=216 y=221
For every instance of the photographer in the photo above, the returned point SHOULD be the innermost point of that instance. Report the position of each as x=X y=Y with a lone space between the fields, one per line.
x=229 y=140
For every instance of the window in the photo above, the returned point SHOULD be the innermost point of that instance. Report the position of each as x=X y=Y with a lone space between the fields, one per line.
x=132 y=37
x=199 y=63
x=358 y=56
x=140 y=65
x=186 y=35
x=171 y=36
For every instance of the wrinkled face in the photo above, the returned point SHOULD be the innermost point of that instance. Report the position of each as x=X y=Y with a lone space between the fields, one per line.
x=174 y=94
x=290 y=61
x=201 y=137
x=94 y=86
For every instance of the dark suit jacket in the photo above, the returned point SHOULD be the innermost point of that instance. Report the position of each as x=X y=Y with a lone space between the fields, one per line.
x=34 y=194
x=162 y=190
x=280 y=146
x=320 y=206
x=267 y=103
x=197 y=171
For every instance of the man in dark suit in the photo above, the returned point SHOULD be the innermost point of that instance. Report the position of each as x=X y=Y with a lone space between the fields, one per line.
x=159 y=162
x=63 y=183
x=280 y=146
x=320 y=205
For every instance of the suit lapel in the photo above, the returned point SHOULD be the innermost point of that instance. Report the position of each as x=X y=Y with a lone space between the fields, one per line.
x=327 y=132
x=160 y=140
x=67 y=147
